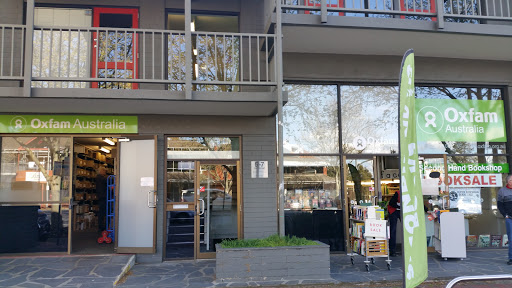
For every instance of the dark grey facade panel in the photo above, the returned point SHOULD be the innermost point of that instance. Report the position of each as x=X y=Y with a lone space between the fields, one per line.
x=373 y=68
x=11 y=12
x=260 y=220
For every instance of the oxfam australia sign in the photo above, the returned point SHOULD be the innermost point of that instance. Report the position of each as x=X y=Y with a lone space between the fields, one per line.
x=68 y=124
x=460 y=120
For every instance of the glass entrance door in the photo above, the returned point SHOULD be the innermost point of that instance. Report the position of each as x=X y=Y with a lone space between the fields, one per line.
x=217 y=205
x=360 y=181
x=115 y=47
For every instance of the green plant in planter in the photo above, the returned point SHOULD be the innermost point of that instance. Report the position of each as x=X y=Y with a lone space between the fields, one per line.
x=270 y=241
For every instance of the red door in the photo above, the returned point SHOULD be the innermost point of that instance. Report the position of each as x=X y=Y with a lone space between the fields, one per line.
x=115 y=49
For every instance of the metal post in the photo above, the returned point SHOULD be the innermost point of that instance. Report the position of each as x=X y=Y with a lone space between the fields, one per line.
x=323 y=11
x=279 y=79
x=188 y=50
x=440 y=14
x=29 y=46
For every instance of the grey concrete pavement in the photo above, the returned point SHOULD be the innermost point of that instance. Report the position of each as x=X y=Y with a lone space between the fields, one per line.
x=104 y=271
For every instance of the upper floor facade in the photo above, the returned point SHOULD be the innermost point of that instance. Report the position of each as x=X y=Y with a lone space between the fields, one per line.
x=459 y=29
x=151 y=57
x=222 y=57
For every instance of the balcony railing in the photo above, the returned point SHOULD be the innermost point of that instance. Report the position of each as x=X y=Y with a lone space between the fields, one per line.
x=70 y=57
x=466 y=11
x=11 y=51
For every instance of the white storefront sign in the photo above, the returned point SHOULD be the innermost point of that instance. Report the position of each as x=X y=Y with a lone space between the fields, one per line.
x=474 y=180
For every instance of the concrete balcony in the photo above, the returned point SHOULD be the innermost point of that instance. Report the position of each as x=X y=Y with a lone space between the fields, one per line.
x=106 y=70
x=467 y=29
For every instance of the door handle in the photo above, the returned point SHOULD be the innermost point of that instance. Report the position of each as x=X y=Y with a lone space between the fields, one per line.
x=201 y=210
x=152 y=194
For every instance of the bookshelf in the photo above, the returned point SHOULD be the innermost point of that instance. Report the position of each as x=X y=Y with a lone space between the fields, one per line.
x=84 y=186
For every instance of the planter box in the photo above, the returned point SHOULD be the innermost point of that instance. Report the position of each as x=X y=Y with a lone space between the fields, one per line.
x=273 y=263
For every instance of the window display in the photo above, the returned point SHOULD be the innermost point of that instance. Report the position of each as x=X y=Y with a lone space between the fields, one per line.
x=34 y=193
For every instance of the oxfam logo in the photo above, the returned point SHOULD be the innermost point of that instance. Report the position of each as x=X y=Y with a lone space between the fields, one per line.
x=430 y=119
x=18 y=124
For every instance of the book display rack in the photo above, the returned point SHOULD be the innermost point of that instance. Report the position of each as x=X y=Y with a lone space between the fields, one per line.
x=368 y=235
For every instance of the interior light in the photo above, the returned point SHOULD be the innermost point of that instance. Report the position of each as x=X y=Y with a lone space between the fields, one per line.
x=196 y=67
x=195 y=52
x=109 y=141
x=193 y=26
x=104 y=149
x=123 y=139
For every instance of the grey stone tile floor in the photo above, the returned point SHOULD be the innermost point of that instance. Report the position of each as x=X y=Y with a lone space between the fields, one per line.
x=102 y=271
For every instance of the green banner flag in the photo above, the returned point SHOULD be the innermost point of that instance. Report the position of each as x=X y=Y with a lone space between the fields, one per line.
x=74 y=124
x=415 y=243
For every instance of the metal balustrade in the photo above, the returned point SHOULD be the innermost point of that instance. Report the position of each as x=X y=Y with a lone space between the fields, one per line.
x=11 y=51
x=362 y=8
x=119 y=58
x=233 y=58
x=466 y=11
x=474 y=10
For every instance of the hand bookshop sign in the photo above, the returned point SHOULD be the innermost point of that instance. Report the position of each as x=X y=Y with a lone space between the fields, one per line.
x=70 y=124
x=415 y=243
x=468 y=168
x=461 y=120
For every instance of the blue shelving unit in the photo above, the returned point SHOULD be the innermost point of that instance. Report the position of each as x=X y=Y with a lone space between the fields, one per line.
x=111 y=202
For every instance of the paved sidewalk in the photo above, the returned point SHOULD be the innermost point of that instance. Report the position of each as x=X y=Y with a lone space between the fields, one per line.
x=104 y=271
x=63 y=271
x=191 y=274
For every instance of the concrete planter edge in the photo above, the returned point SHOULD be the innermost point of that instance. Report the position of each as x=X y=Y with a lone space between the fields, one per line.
x=273 y=263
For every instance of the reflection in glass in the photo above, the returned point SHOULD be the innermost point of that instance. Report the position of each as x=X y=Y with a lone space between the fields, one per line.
x=115 y=73
x=312 y=182
x=312 y=199
x=35 y=169
x=203 y=147
x=180 y=181
x=360 y=182
x=369 y=119
x=61 y=54
x=214 y=58
x=219 y=197
x=115 y=46
x=311 y=119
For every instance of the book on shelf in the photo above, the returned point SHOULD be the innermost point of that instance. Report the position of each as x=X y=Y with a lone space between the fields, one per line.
x=471 y=240
x=380 y=214
x=367 y=212
x=484 y=240
x=358 y=230
x=495 y=241
x=504 y=240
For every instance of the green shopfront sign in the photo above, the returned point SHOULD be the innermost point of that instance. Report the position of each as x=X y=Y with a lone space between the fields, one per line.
x=470 y=168
x=71 y=124
x=460 y=120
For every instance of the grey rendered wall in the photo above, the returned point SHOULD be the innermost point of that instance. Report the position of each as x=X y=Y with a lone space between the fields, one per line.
x=217 y=5
x=371 y=68
x=11 y=11
x=259 y=144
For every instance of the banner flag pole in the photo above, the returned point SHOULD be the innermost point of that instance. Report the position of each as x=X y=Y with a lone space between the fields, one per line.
x=414 y=244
